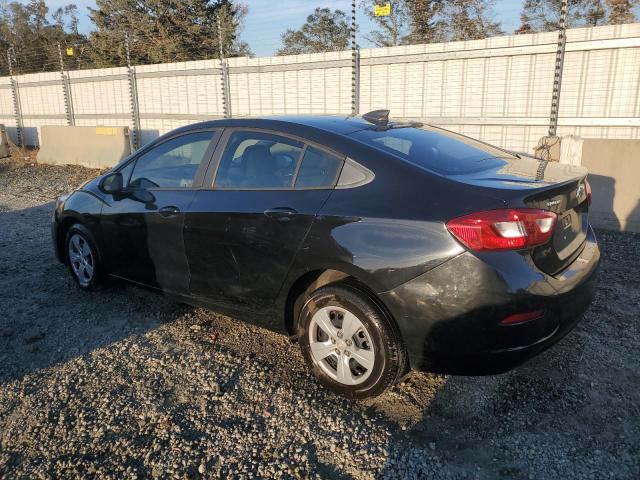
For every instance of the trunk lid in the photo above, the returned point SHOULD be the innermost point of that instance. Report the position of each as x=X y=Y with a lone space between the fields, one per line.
x=531 y=183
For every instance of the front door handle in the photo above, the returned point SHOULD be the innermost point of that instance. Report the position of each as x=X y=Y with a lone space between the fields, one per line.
x=170 y=211
x=283 y=214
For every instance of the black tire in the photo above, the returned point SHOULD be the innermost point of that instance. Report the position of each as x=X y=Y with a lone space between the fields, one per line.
x=97 y=279
x=389 y=352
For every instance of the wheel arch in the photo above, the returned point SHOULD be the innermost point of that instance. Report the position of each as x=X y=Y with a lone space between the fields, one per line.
x=83 y=207
x=69 y=219
x=310 y=281
x=64 y=225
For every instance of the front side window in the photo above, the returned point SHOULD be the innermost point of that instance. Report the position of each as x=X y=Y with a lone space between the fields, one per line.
x=126 y=172
x=318 y=169
x=258 y=160
x=172 y=164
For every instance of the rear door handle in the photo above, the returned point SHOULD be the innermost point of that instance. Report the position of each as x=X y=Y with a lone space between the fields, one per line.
x=283 y=214
x=169 y=211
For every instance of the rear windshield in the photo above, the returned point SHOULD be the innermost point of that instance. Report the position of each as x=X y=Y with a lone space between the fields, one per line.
x=437 y=150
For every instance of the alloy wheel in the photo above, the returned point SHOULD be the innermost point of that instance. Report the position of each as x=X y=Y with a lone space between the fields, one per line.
x=82 y=259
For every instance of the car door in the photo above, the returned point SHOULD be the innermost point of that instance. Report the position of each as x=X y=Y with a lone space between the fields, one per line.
x=242 y=234
x=142 y=226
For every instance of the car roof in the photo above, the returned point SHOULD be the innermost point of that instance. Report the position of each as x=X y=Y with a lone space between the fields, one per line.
x=299 y=124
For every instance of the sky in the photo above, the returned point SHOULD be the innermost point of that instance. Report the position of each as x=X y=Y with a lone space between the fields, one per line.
x=267 y=19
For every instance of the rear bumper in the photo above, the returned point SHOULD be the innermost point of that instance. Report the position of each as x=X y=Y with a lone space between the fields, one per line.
x=450 y=316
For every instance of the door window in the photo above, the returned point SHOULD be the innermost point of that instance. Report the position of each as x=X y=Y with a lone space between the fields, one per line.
x=318 y=169
x=172 y=164
x=126 y=172
x=258 y=160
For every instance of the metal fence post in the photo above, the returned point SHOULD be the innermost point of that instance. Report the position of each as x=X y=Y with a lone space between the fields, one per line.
x=355 y=64
x=224 y=75
x=133 y=98
x=15 y=95
x=557 y=77
x=66 y=90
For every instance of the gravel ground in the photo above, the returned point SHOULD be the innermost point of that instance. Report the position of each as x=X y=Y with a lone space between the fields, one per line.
x=123 y=383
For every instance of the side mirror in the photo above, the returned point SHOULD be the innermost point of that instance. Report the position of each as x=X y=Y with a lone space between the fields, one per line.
x=112 y=183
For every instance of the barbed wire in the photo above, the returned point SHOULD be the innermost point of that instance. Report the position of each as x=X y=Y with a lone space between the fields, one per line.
x=85 y=57
x=28 y=63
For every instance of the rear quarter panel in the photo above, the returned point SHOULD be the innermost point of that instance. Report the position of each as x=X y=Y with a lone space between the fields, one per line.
x=390 y=230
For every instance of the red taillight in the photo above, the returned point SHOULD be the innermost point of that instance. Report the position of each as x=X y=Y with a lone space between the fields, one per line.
x=587 y=187
x=509 y=229
x=522 y=317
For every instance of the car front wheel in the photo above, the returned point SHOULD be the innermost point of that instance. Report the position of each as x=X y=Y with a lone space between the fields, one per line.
x=350 y=344
x=83 y=258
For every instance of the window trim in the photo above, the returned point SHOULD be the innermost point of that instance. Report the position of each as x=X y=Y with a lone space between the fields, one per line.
x=200 y=172
x=212 y=171
x=368 y=175
x=334 y=183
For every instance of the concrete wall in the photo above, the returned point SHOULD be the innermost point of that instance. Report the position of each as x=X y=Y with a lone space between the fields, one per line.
x=4 y=143
x=614 y=175
x=497 y=89
x=93 y=147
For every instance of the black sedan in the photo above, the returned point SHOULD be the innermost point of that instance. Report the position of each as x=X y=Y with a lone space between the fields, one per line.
x=379 y=246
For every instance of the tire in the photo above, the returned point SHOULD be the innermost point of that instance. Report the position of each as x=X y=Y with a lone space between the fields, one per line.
x=370 y=360
x=83 y=258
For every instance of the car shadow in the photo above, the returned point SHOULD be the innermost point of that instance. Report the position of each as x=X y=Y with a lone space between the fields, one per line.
x=602 y=213
x=560 y=415
x=51 y=330
x=46 y=318
x=470 y=421
x=633 y=219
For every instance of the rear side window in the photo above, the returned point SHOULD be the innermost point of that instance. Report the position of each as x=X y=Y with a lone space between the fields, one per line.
x=171 y=164
x=437 y=150
x=318 y=169
x=258 y=160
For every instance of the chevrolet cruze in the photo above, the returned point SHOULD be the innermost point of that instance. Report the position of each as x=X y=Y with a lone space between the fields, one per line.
x=378 y=246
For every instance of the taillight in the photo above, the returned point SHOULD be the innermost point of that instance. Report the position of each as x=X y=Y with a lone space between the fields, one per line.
x=587 y=187
x=509 y=229
x=523 y=317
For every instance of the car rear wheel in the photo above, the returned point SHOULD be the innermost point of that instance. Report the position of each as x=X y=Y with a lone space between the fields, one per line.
x=350 y=344
x=83 y=258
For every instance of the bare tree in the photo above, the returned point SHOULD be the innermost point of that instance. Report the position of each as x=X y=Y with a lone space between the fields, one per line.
x=391 y=29
x=425 y=22
x=543 y=15
x=432 y=21
x=595 y=13
x=324 y=31
x=471 y=19
x=621 y=11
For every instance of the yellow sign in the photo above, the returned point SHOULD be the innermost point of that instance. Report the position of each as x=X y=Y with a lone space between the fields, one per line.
x=69 y=51
x=382 y=10
x=111 y=131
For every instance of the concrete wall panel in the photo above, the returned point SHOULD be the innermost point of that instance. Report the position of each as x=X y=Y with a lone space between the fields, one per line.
x=614 y=174
x=94 y=147
x=4 y=143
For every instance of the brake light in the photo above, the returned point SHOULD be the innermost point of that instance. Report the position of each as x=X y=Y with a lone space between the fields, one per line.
x=509 y=229
x=587 y=187
x=522 y=317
